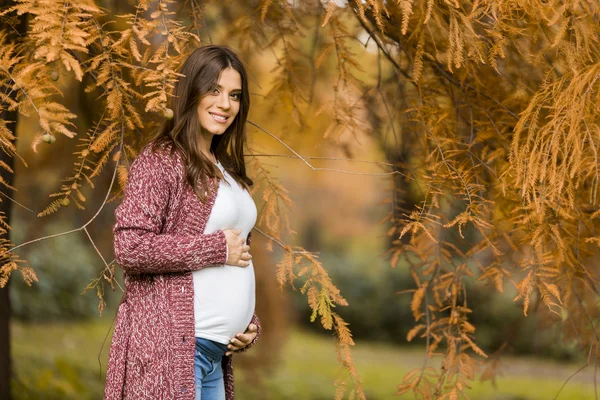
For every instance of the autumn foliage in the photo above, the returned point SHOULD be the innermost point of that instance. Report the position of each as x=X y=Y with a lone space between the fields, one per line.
x=487 y=111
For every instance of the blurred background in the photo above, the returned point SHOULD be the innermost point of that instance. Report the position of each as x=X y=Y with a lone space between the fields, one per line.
x=60 y=340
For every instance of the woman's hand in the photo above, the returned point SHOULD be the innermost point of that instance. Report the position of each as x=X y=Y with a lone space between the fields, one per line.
x=242 y=340
x=238 y=253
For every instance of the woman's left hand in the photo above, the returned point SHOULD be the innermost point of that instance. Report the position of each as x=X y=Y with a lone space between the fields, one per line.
x=242 y=340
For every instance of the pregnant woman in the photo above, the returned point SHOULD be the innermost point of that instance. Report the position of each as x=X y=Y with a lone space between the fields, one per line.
x=182 y=237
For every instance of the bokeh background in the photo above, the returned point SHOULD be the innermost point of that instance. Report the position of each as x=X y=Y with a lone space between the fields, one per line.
x=60 y=340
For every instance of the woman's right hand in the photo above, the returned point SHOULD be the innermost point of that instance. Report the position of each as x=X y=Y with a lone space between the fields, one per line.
x=238 y=253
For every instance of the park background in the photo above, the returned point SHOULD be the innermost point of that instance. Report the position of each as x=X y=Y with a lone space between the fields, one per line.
x=345 y=173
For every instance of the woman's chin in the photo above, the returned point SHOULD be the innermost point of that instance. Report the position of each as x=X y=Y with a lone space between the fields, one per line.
x=219 y=130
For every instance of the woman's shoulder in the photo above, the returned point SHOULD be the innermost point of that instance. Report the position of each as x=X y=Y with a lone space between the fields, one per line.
x=159 y=158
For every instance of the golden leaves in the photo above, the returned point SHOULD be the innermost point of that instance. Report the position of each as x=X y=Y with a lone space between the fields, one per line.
x=275 y=201
x=34 y=92
x=322 y=296
x=106 y=276
x=6 y=142
x=91 y=158
x=418 y=62
x=58 y=28
x=414 y=332
x=5 y=272
x=264 y=8
x=417 y=300
x=406 y=7
x=285 y=272
x=10 y=262
x=526 y=221
x=158 y=65
x=456 y=44
x=551 y=160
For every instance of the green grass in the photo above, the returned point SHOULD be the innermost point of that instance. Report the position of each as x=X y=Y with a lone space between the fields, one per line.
x=60 y=361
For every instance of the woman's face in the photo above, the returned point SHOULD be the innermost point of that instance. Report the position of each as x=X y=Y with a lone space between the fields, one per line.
x=218 y=109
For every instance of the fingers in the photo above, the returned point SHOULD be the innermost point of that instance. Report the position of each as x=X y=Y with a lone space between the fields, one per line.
x=236 y=344
x=239 y=252
x=243 y=261
x=239 y=341
x=242 y=340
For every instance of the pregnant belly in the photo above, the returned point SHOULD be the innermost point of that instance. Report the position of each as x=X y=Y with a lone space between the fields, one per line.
x=224 y=299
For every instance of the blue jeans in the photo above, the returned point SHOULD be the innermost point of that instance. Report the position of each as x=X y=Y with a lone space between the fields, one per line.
x=208 y=371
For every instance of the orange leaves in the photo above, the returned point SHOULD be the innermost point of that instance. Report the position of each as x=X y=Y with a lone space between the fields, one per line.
x=158 y=64
x=32 y=83
x=331 y=7
x=95 y=148
x=58 y=28
x=406 y=7
x=275 y=200
x=501 y=162
x=264 y=8
x=552 y=159
x=496 y=276
x=414 y=332
x=285 y=273
x=322 y=296
x=417 y=300
x=538 y=279
x=419 y=54
x=415 y=225
x=345 y=358
x=10 y=262
x=472 y=344
x=420 y=381
x=55 y=117
x=107 y=275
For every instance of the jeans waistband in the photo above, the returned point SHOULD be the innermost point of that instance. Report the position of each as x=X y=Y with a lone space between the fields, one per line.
x=211 y=349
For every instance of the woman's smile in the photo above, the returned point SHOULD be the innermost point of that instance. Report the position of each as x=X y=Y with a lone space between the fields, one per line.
x=220 y=118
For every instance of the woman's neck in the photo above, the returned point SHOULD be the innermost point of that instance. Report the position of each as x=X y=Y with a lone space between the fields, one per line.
x=204 y=142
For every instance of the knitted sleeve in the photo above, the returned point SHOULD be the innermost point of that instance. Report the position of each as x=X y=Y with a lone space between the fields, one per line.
x=140 y=246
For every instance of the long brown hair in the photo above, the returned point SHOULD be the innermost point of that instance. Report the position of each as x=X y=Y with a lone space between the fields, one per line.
x=201 y=72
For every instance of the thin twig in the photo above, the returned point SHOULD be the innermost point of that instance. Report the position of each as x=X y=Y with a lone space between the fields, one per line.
x=95 y=247
x=280 y=243
x=81 y=227
x=569 y=378
x=16 y=202
x=303 y=159
x=103 y=343
x=193 y=3
x=386 y=164
x=21 y=89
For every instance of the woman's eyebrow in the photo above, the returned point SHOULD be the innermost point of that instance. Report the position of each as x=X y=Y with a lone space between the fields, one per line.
x=233 y=90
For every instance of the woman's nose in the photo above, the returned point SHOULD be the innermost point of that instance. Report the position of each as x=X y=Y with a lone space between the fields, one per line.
x=223 y=101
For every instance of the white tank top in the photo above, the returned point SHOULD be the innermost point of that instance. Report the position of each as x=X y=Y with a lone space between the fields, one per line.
x=224 y=296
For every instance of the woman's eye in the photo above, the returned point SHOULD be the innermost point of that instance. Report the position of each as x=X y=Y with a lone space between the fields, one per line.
x=215 y=91
x=236 y=96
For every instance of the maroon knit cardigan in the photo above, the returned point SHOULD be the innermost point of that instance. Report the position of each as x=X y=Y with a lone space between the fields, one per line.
x=159 y=241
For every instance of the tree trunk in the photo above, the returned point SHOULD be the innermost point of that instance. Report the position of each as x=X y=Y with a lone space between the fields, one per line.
x=5 y=207
x=5 y=365
x=14 y=34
